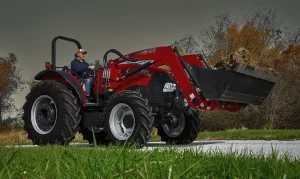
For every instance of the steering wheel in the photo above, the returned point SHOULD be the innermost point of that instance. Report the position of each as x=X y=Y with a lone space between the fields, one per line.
x=90 y=73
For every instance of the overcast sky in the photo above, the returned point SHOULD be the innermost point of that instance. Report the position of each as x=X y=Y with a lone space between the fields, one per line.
x=28 y=27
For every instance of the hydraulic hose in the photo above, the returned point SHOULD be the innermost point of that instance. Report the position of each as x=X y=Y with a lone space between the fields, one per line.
x=115 y=52
x=104 y=82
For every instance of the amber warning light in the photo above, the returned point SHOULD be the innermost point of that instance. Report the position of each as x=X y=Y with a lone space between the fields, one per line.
x=48 y=65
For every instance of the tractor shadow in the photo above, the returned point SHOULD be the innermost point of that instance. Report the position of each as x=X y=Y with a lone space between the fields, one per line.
x=156 y=144
x=149 y=144
x=195 y=143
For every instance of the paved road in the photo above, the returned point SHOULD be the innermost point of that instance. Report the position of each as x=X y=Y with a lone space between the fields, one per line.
x=257 y=147
x=292 y=148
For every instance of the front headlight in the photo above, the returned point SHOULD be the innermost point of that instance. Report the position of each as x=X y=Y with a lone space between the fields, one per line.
x=169 y=87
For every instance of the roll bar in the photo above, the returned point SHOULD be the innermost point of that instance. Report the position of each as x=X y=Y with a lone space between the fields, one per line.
x=53 y=64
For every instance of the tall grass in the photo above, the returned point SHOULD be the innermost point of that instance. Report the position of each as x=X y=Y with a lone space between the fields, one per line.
x=119 y=162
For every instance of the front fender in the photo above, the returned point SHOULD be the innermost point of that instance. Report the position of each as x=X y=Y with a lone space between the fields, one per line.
x=64 y=78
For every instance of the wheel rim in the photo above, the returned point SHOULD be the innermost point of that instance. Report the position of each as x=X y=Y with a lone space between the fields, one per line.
x=43 y=114
x=122 y=121
x=174 y=131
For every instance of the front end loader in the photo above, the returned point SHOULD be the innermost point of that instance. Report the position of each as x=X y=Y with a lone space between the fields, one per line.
x=132 y=94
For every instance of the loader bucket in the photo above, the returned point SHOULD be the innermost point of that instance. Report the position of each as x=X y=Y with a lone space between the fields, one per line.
x=241 y=85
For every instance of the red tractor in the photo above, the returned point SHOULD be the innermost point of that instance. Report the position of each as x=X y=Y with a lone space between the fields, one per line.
x=133 y=94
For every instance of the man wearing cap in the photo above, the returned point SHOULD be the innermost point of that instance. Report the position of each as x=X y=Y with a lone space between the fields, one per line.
x=79 y=66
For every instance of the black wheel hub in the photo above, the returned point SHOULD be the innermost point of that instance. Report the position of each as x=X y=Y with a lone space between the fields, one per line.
x=174 y=122
x=45 y=116
x=128 y=121
x=175 y=125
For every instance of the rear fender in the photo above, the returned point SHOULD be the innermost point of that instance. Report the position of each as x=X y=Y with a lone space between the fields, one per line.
x=64 y=78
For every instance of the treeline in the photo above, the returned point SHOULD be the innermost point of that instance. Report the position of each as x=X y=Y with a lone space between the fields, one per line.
x=265 y=44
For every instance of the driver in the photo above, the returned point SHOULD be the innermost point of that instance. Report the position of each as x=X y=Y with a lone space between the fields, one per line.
x=79 y=66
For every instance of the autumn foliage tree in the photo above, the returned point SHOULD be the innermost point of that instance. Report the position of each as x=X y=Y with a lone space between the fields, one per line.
x=289 y=68
x=260 y=54
x=10 y=83
x=4 y=74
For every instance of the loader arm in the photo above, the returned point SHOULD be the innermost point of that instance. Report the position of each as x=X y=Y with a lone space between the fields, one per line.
x=180 y=70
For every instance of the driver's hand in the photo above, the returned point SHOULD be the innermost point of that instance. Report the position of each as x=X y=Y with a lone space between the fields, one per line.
x=92 y=67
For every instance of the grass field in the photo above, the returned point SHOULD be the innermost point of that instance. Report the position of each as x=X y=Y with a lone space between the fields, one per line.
x=115 y=162
x=246 y=134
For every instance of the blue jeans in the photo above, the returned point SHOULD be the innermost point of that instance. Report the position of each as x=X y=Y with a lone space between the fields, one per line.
x=87 y=86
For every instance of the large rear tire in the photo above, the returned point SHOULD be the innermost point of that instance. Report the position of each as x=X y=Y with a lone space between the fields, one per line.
x=186 y=131
x=128 y=119
x=51 y=114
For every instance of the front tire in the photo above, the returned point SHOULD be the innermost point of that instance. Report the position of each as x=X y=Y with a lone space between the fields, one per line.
x=51 y=114
x=185 y=133
x=128 y=119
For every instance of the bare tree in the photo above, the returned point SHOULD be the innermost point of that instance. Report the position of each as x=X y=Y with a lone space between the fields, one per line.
x=291 y=37
x=213 y=37
x=188 y=44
